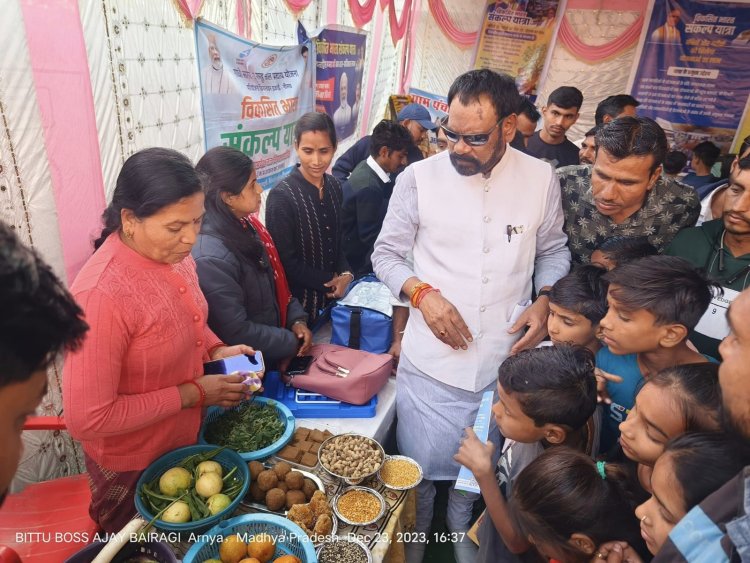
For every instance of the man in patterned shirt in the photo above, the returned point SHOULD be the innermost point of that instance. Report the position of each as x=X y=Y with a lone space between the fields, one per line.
x=624 y=192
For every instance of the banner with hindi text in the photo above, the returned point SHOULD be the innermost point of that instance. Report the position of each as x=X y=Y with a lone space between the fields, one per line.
x=693 y=76
x=339 y=66
x=252 y=96
x=514 y=39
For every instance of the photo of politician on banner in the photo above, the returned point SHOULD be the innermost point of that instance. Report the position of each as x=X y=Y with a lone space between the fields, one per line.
x=252 y=96
x=339 y=62
x=692 y=75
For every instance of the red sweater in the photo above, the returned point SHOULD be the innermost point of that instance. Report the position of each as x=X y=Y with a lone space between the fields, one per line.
x=148 y=335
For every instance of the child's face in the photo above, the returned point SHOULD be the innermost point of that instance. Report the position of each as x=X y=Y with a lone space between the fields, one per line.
x=629 y=332
x=511 y=420
x=651 y=423
x=568 y=327
x=666 y=507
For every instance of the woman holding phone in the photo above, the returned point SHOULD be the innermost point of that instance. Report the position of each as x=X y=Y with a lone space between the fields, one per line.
x=239 y=269
x=135 y=389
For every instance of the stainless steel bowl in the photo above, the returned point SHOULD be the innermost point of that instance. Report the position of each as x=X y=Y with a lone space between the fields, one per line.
x=377 y=495
x=350 y=480
x=405 y=458
x=350 y=539
x=260 y=507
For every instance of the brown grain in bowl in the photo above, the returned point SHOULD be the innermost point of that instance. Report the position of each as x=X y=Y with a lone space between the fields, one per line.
x=359 y=506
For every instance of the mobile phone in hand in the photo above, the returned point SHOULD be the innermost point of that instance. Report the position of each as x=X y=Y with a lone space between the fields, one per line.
x=243 y=364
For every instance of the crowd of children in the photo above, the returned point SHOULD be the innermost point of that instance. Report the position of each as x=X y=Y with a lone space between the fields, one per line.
x=607 y=474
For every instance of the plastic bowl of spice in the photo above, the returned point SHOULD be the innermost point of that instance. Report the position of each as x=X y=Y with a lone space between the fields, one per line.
x=400 y=473
x=358 y=506
x=344 y=550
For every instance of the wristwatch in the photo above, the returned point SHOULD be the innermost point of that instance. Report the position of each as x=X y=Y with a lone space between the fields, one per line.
x=544 y=293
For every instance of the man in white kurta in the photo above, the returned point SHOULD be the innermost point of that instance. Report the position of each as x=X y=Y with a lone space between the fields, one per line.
x=481 y=219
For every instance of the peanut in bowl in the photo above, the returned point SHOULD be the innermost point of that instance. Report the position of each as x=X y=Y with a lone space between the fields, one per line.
x=351 y=457
x=359 y=506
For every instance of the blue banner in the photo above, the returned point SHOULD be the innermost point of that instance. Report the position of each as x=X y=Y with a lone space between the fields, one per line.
x=339 y=65
x=694 y=72
x=252 y=96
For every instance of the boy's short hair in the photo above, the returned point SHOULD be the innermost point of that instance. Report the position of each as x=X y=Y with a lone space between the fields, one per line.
x=613 y=106
x=389 y=134
x=39 y=317
x=593 y=131
x=553 y=384
x=582 y=291
x=668 y=287
x=529 y=110
x=566 y=97
x=633 y=136
x=621 y=249
x=707 y=152
x=674 y=162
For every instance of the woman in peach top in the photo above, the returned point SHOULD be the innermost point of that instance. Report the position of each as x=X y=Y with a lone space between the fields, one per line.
x=136 y=390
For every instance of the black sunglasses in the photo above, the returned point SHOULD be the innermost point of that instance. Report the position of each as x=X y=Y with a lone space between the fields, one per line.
x=475 y=140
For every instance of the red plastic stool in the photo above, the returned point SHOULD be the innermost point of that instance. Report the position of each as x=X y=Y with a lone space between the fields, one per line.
x=46 y=522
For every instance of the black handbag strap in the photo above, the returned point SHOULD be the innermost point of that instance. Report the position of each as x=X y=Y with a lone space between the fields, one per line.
x=355 y=328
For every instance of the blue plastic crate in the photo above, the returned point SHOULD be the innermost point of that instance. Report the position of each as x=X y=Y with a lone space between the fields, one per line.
x=285 y=415
x=290 y=538
x=228 y=460
x=317 y=406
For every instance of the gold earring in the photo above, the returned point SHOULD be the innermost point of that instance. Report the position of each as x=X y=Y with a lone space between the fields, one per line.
x=128 y=234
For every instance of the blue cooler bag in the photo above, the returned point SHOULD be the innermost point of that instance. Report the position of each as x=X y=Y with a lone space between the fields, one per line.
x=362 y=318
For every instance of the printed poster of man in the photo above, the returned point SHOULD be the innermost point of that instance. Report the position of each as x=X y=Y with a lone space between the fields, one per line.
x=340 y=55
x=252 y=96
x=692 y=75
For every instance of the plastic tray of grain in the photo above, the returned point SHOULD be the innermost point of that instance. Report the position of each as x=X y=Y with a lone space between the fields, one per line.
x=400 y=473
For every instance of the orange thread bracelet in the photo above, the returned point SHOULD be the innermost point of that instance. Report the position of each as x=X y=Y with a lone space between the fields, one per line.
x=425 y=293
x=202 y=392
x=415 y=290
x=416 y=300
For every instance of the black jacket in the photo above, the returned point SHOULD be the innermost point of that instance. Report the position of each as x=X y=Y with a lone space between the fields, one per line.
x=359 y=151
x=366 y=199
x=307 y=233
x=242 y=307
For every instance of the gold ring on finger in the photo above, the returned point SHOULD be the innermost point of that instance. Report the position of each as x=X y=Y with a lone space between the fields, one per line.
x=442 y=333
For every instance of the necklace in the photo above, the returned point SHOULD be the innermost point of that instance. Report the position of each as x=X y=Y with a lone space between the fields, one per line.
x=745 y=270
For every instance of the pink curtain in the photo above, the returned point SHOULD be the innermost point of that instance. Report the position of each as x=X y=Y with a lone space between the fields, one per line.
x=298 y=5
x=362 y=13
x=461 y=38
x=190 y=8
x=410 y=47
x=598 y=53
x=398 y=28
x=244 y=12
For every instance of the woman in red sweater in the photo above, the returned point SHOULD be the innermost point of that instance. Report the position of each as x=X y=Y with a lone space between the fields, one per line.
x=136 y=388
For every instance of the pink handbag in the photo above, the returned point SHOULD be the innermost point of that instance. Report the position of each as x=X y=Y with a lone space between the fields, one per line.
x=344 y=374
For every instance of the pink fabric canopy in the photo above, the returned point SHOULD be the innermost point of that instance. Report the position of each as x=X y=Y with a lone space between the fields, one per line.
x=463 y=39
x=594 y=54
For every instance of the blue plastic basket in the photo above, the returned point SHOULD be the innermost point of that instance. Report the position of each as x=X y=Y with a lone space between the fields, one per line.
x=285 y=415
x=290 y=538
x=228 y=460
x=161 y=552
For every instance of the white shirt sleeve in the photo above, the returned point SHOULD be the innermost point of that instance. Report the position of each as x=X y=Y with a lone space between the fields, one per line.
x=396 y=240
